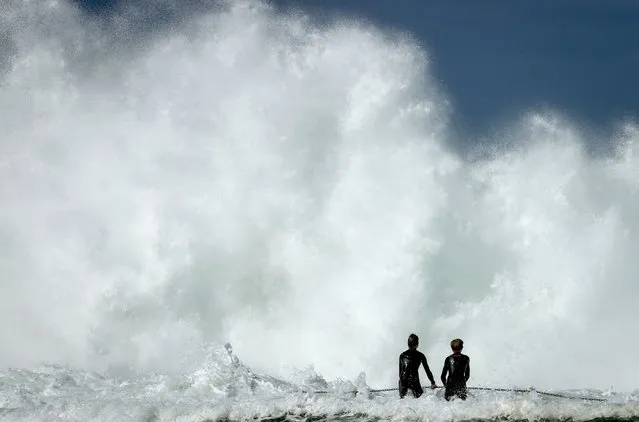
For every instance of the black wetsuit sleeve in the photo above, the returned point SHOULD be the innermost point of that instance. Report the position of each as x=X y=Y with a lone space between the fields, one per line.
x=444 y=371
x=467 y=372
x=429 y=374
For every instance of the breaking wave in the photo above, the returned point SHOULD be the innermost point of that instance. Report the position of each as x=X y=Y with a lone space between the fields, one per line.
x=247 y=175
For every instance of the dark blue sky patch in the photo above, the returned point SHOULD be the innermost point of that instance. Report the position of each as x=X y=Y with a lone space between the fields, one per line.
x=497 y=58
x=100 y=7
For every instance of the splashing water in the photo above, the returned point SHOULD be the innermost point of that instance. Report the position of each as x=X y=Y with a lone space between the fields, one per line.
x=251 y=176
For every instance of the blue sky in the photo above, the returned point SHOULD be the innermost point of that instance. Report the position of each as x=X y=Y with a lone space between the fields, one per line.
x=496 y=58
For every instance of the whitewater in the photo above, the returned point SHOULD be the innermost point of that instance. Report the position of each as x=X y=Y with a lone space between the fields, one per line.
x=237 y=173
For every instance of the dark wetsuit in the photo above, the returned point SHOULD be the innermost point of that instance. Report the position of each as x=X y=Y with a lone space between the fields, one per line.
x=409 y=362
x=458 y=368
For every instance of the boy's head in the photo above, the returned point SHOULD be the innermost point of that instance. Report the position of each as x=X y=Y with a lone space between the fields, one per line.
x=413 y=341
x=457 y=345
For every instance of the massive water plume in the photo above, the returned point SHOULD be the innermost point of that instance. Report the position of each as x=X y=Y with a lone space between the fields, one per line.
x=251 y=176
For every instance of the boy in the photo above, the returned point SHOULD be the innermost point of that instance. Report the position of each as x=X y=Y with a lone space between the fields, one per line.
x=458 y=368
x=409 y=362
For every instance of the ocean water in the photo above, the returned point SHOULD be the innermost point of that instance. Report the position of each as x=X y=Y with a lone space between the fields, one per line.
x=239 y=174
x=226 y=390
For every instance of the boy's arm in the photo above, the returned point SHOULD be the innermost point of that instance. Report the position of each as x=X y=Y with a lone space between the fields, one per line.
x=427 y=369
x=467 y=372
x=444 y=371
